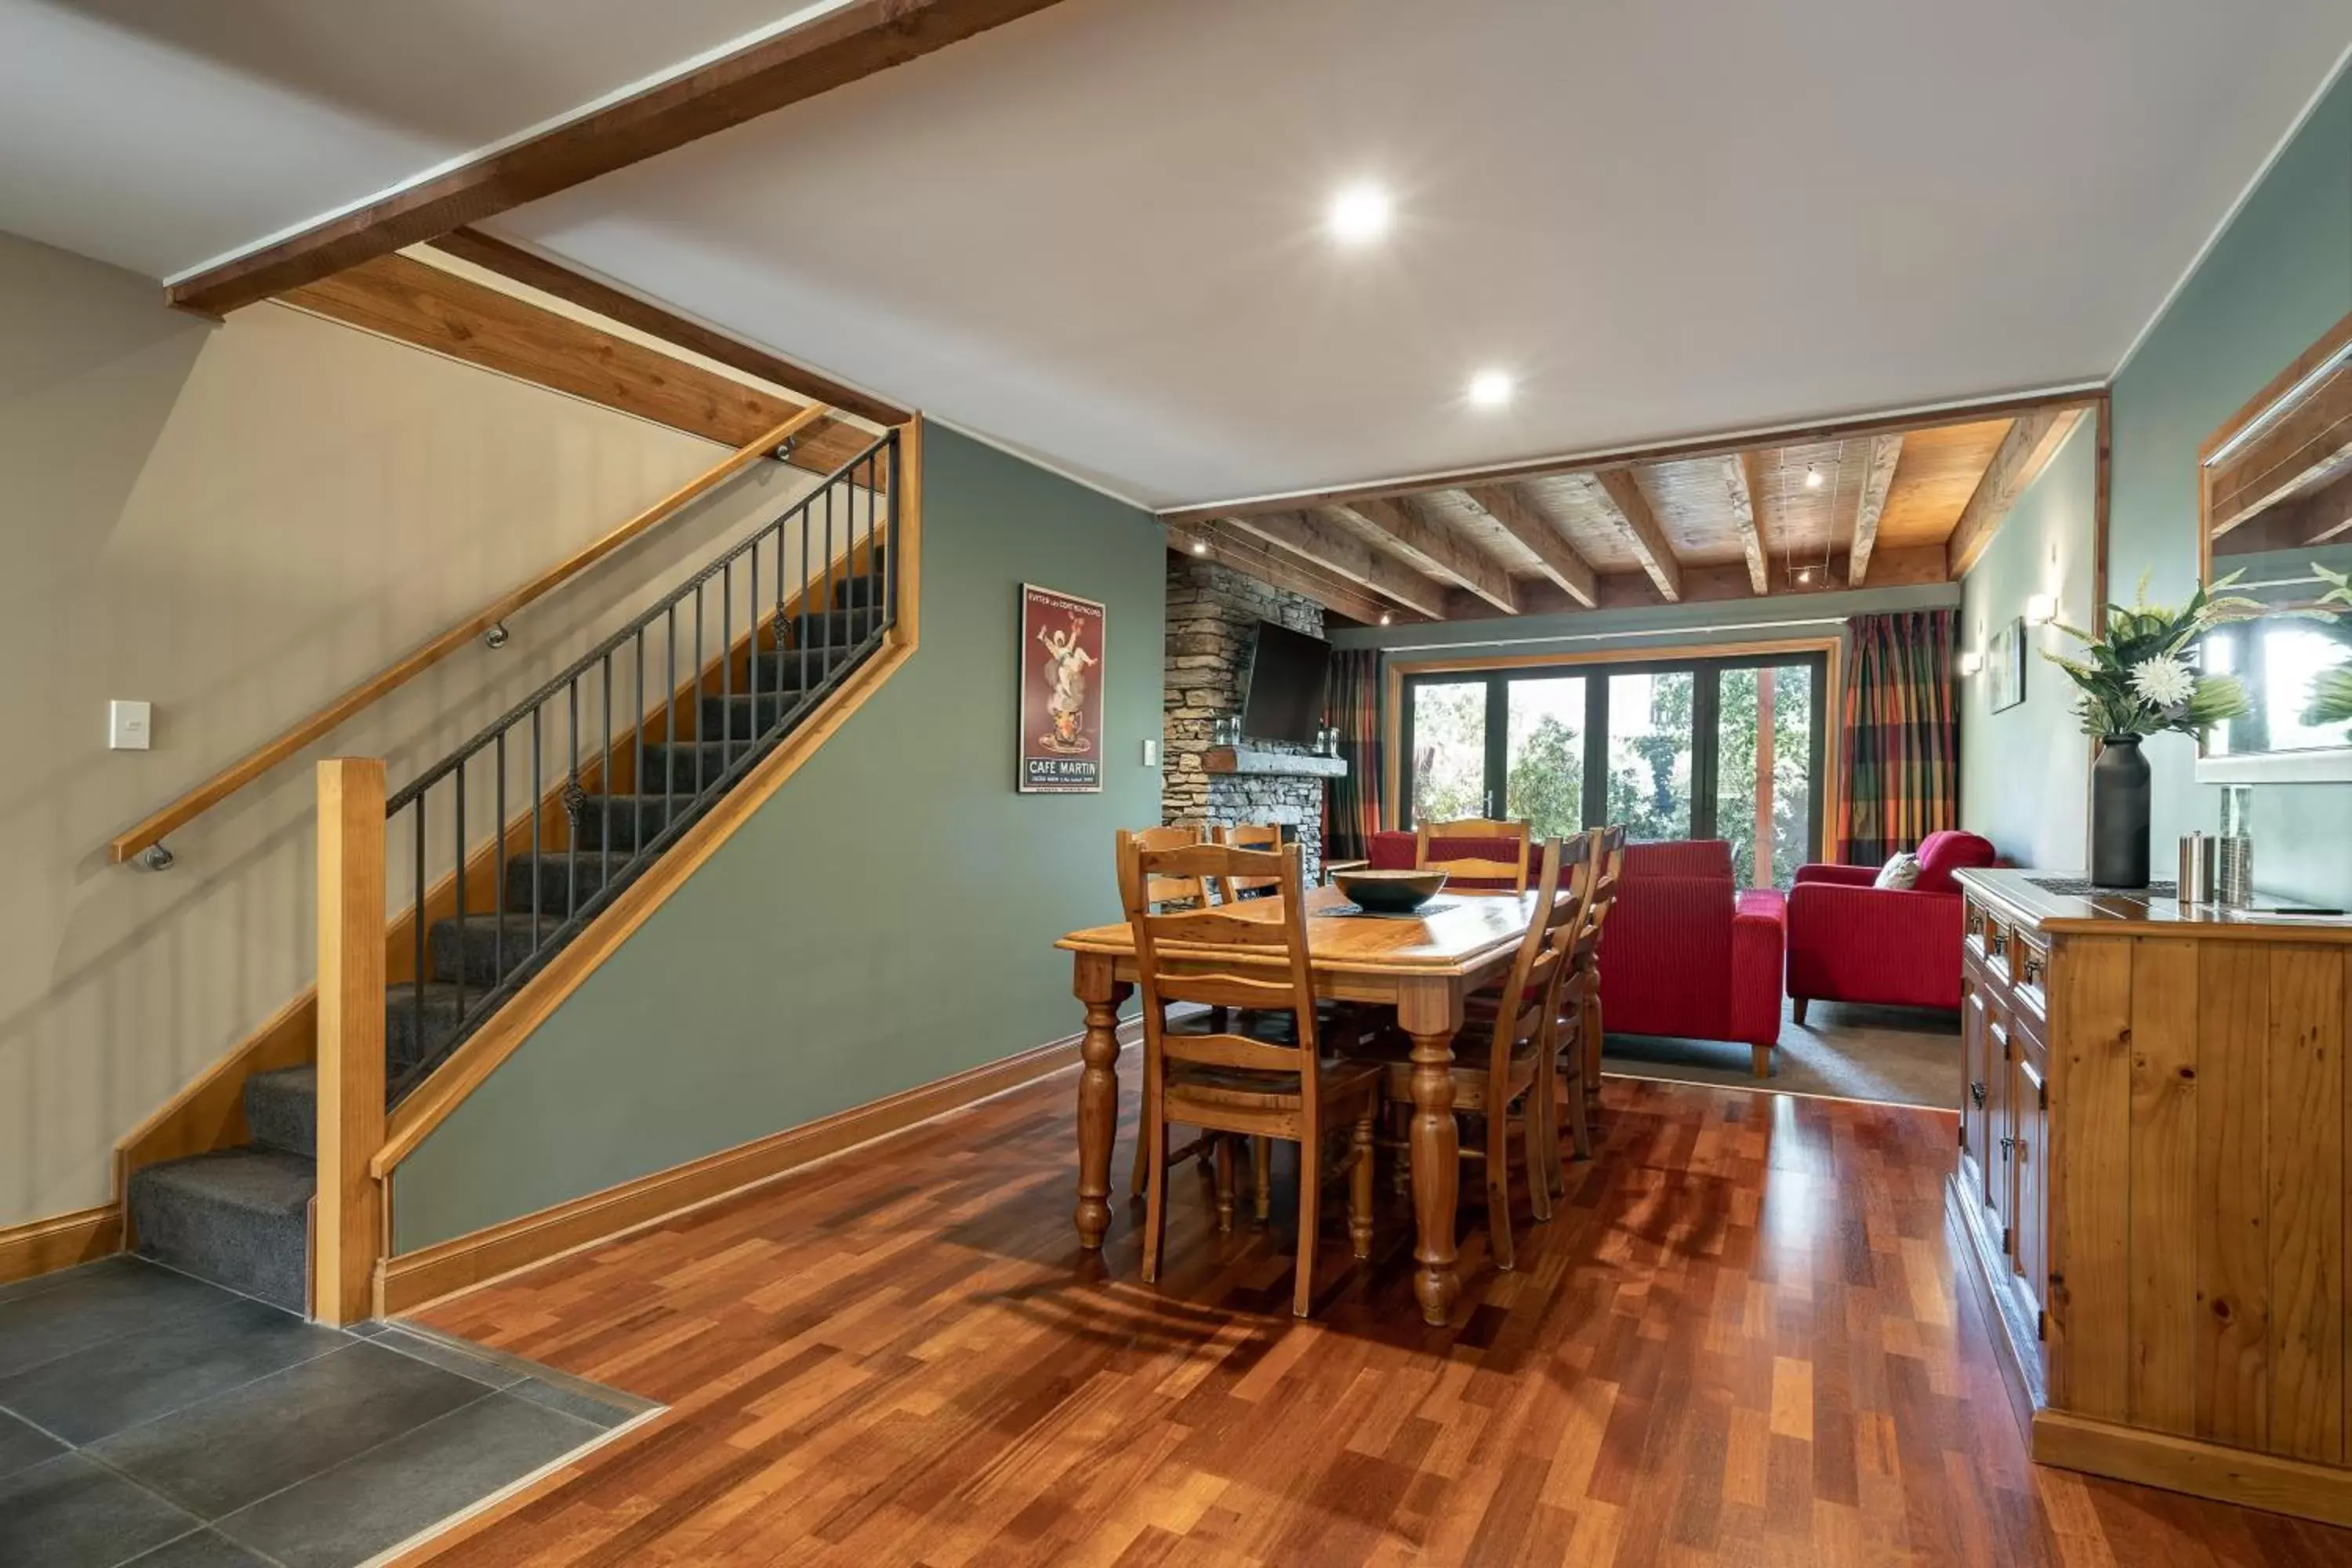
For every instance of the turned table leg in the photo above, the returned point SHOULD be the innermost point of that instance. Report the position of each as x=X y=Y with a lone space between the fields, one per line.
x=1097 y=1093
x=1431 y=1017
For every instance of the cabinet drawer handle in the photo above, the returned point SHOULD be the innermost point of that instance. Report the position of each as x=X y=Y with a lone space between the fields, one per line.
x=1999 y=945
x=1977 y=1092
x=2006 y=1145
x=2033 y=968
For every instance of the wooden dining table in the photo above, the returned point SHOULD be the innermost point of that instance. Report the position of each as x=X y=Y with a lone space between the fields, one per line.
x=1421 y=965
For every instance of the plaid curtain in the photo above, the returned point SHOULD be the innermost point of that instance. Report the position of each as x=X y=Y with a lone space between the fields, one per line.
x=1902 y=735
x=1351 y=806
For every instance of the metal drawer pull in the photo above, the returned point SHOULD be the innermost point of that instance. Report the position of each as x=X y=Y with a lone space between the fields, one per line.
x=1977 y=1092
x=2033 y=967
x=2006 y=1145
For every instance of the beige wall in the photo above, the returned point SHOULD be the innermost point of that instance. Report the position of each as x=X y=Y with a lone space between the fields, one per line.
x=235 y=522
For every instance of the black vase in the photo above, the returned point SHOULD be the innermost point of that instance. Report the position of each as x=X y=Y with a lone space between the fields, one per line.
x=2119 y=814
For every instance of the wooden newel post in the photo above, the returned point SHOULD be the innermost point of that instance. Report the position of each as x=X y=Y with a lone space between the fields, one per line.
x=350 y=1209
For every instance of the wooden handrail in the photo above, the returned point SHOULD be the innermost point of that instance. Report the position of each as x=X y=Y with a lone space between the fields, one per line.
x=238 y=774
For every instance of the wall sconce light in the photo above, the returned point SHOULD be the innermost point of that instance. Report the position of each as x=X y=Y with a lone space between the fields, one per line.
x=2040 y=609
x=1970 y=662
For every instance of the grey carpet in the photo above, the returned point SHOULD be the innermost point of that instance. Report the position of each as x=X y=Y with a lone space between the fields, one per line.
x=1844 y=1050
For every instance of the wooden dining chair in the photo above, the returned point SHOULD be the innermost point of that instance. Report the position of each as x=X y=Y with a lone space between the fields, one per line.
x=1168 y=890
x=1262 y=835
x=1250 y=958
x=1506 y=870
x=1585 y=985
x=1501 y=1057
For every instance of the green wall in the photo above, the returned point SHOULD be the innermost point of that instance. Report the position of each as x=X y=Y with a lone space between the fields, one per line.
x=2279 y=277
x=885 y=920
x=2025 y=772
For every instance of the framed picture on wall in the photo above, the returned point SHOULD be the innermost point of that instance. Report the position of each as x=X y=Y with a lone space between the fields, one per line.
x=2006 y=666
x=1060 y=657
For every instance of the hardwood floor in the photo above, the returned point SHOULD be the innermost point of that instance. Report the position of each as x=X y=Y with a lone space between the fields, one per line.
x=1739 y=1342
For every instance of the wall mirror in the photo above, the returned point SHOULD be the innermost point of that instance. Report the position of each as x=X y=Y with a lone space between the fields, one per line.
x=2275 y=484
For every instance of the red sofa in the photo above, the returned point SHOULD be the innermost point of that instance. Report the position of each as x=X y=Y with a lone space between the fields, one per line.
x=1687 y=954
x=1849 y=941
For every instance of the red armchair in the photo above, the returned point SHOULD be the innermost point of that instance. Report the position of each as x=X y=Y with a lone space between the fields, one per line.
x=1850 y=941
x=1687 y=954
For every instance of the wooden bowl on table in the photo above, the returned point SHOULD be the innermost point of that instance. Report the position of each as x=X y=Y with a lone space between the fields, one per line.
x=1389 y=892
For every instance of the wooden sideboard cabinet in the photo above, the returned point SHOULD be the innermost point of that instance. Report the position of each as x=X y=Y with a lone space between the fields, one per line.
x=2152 y=1187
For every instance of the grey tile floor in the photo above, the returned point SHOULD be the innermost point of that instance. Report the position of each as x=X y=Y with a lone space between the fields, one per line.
x=151 y=1418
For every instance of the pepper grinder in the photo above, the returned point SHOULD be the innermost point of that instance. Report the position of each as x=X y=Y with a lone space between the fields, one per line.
x=2234 y=851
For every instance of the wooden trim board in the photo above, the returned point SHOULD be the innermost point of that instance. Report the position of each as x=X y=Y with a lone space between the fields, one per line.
x=60 y=1241
x=533 y=271
x=413 y=1279
x=2186 y=1464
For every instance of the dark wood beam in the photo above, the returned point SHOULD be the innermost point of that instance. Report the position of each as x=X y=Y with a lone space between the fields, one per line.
x=1336 y=549
x=552 y=278
x=1716 y=446
x=401 y=297
x=1742 y=484
x=1511 y=513
x=841 y=46
x=1885 y=452
x=1618 y=492
x=1437 y=551
x=2032 y=440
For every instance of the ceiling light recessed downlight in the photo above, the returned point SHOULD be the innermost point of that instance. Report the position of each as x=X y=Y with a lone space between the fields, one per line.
x=1361 y=213
x=1490 y=389
x=1813 y=479
x=1386 y=617
x=1199 y=547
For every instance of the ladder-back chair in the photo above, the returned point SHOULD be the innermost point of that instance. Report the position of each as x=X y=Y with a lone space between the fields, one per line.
x=1505 y=869
x=1248 y=959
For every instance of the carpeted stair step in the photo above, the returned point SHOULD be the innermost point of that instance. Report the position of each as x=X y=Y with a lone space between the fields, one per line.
x=619 y=822
x=857 y=592
x=791 y=670
x=420 y=1027
x=484 y=949
x=281 y=1110
x=557 y=878
x=832 y=628
x=239 y=1218
x=743 y=717
x=689 y=766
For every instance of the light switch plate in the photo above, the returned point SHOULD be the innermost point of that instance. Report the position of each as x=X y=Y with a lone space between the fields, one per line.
x=1150 y=753
x=127 y=725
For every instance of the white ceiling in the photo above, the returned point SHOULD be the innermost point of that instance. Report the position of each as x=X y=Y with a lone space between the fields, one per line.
x=1094 y=234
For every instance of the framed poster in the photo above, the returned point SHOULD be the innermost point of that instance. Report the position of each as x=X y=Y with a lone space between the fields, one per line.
x=1060 y=657
x=2007 y=665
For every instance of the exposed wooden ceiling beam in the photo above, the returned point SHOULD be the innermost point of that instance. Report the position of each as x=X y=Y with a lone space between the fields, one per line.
x=1903 y=566
x=1885 y=452
x=843 y=46
x=1640 y=527
x=2032 y=440
x=1337 y=550
x=1438 y=551
x=1253 y=557
x=397 y=297
x=1514 y=515
x=536 y=271
x=1716 y=446
x=1743 y=484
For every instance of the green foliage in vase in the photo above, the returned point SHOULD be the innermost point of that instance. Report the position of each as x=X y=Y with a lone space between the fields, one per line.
x=2138 y=675
x=2331 y=689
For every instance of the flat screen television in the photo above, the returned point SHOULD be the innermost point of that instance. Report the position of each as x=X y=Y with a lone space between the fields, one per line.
x=1282 y=696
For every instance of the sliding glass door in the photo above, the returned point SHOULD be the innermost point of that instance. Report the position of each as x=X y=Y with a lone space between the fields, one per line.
x=1691 y=748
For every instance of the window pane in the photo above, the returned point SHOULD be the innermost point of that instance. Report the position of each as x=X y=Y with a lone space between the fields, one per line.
x=1764 y=772
x=1545 y=782
x=1650 y=754
x=1449 y=749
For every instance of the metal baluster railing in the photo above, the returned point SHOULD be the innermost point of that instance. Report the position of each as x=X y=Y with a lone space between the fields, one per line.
x=840 y=633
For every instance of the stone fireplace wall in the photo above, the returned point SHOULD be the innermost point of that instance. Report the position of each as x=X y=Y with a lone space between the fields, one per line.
x=1213 y=612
